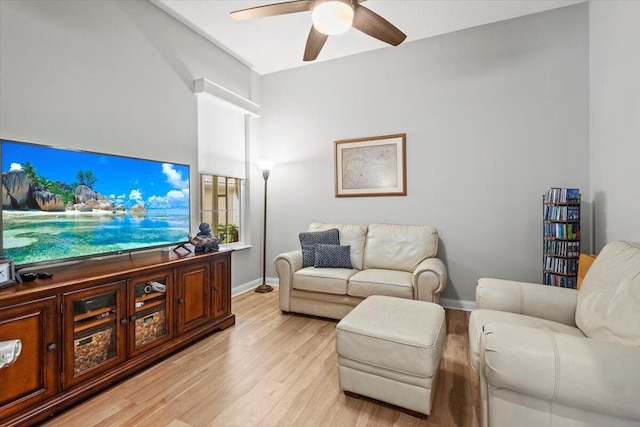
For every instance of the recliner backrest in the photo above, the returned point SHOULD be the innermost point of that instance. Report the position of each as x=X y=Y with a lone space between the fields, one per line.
x=608 y=306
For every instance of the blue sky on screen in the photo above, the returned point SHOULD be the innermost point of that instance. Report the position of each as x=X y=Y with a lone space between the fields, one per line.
x=124 y=180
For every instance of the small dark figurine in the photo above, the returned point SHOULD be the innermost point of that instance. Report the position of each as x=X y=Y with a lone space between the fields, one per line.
x=205 y=230
x=204 y=241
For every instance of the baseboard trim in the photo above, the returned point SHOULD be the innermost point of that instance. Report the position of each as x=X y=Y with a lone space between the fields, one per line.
x=250 y=286
x=458 y=304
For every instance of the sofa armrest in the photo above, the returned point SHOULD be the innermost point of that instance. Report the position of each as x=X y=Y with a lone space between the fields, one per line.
x=530 y=299
x=285 y=265
x=579 y=372
x=429 y=279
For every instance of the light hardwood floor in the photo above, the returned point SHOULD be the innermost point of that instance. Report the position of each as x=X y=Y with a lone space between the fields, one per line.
x=271 y=369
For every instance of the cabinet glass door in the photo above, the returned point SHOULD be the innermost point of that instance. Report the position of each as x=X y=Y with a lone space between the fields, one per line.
x=150 y=300
x=93 y=339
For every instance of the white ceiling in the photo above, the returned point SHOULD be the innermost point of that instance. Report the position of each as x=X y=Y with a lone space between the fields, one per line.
x=277 y=43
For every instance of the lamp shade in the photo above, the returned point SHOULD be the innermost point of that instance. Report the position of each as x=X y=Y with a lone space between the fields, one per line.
x=332 y=17
x=266 y=165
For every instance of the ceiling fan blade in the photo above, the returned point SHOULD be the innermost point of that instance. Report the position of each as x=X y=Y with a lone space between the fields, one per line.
x=315 y=41
x=376 y=26
x=273 y=9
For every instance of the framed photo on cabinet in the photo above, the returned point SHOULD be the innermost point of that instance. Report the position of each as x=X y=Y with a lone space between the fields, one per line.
x=373 y=166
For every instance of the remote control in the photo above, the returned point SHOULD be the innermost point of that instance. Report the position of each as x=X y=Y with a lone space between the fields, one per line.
x=45 y=275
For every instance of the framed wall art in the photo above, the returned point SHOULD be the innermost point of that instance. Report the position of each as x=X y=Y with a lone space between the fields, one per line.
x=373 y=166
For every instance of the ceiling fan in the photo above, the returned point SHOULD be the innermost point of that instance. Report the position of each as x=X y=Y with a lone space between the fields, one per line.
x=330 y=17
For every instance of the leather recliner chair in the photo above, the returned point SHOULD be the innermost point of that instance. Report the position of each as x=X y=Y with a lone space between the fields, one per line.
x=551 y=356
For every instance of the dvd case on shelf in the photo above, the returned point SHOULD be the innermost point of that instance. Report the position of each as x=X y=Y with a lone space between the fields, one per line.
x=561 y=236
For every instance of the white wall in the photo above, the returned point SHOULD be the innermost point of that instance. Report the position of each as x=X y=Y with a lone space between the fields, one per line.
x=493 y=115
x=111 y=76
x=614 y=42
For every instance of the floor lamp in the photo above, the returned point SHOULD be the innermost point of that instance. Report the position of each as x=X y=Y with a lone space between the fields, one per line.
x=265 y=166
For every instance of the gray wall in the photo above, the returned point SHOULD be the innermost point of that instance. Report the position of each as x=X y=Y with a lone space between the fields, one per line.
x=493 y=115
x=111 y=76
x=614 y=50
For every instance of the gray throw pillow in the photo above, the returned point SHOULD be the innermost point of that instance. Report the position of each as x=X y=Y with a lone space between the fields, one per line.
x=309 y=239
x=332 y=256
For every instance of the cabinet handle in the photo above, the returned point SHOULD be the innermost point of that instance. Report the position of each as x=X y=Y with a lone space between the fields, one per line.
x=52 y=347
x=124 y=321
x=133 y=318
x=216 y=288
x=181 y=301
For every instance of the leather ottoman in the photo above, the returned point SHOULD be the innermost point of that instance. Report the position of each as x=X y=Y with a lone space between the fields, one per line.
x=389 y=349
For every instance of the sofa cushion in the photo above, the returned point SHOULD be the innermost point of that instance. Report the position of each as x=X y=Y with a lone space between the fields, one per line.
x=308 y=241
x=352 y=235
x=332 y=256
x=608 y=306
x=399 y=247
x=480 y=318
x=381 y=282
x=326 y=280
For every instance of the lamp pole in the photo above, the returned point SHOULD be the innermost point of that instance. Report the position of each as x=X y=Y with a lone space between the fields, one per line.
x=264 y=288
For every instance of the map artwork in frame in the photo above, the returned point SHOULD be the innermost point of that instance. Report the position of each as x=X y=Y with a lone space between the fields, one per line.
x=373 y=166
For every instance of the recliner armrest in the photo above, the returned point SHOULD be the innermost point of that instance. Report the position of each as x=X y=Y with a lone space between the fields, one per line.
x=531 y=299
x=575 y=371
x=285 y=265
x=429 y=280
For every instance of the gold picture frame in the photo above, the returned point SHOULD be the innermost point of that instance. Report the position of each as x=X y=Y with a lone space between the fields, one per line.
x=374 y=166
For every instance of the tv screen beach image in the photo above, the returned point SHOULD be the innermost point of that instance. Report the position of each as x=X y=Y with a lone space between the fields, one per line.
x=60 y=204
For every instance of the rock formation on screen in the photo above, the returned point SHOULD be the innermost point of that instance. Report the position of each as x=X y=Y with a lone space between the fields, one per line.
x=47 y=201
x=15 y=190
x=19 y=193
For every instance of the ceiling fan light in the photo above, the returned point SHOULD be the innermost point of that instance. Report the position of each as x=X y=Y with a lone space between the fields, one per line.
x=332 y=17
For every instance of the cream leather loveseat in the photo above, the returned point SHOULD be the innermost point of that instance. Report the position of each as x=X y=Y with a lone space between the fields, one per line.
x=561 y=357
x=386 y=259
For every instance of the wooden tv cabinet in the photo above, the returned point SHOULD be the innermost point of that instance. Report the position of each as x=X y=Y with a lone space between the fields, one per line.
x=98 y=321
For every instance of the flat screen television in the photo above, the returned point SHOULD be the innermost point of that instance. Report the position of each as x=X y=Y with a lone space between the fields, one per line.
x=60 y=204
